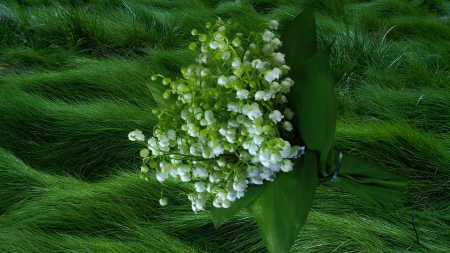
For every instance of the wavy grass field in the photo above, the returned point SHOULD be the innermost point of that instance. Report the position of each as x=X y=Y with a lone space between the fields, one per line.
x=73 y=84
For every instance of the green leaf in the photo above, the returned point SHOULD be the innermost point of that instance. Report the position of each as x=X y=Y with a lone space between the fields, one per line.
x=370 y=182
x=313 y=100
x=299 y=38
x=157 y=89
x=282 y=209
x=220 y=215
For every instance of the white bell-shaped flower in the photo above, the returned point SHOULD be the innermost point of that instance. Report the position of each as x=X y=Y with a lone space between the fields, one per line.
x=267 y=49
x=286 y=85
x=200 y=172
x=213 y=44
x=276 y=116
x=268 y=35
x=222 y=80
x=260 y=95
x=286 y=165
x=209 y=116
x=275 y=43
x=163 y=201
x=272 y=75
x=278 y=59
x=287 y=126
x=242 y=94
x=254 y=111
x=200 y=186
x=233 y=106
x=236 y=63
x=288 y=113
x=273 y=24
x=136 y=135
x=161 y=176
x=258 y=64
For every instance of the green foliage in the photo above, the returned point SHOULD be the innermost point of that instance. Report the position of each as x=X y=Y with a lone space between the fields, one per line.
x=282 y=208
x=73 y=86
x=313 y=99
x=369 y=181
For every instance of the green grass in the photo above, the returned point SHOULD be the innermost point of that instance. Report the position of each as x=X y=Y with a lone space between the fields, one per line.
x=73 y=84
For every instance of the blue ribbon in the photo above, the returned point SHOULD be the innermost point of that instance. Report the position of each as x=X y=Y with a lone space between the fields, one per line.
x=338 y=167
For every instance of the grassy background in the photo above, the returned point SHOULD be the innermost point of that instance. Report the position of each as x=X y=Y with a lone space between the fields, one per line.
x=72 y=85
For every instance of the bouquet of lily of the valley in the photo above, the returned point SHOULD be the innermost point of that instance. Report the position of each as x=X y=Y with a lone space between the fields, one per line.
x=251 y=125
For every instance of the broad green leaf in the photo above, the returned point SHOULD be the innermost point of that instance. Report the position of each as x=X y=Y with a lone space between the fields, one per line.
x=220 y=215
x=157 y=89
x=313 y=100
x=282 y=209
x=370 y=182
x=299 y=38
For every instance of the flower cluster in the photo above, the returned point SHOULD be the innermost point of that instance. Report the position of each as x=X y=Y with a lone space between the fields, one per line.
x=224 y=132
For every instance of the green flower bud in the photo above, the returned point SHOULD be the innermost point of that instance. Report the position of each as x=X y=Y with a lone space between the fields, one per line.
x=214 y=135
x=208 y=25
x=267 y=129
x=206 y=153
x=240 y=50
x=218 y=55
x=166 y=94
x=258 y=121
x=153 y=164
x=204 y=132
x=236 y=42
x=202 y=37
x=144 y=168
x=154 y=77
x=194 y=32
x=272 y=143
x=192 y=46
x=238 y=72
x=144 y=152
x=166 y=81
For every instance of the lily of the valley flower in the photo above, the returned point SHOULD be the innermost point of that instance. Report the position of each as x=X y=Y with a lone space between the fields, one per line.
x=136 y=135
x=224 y=132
